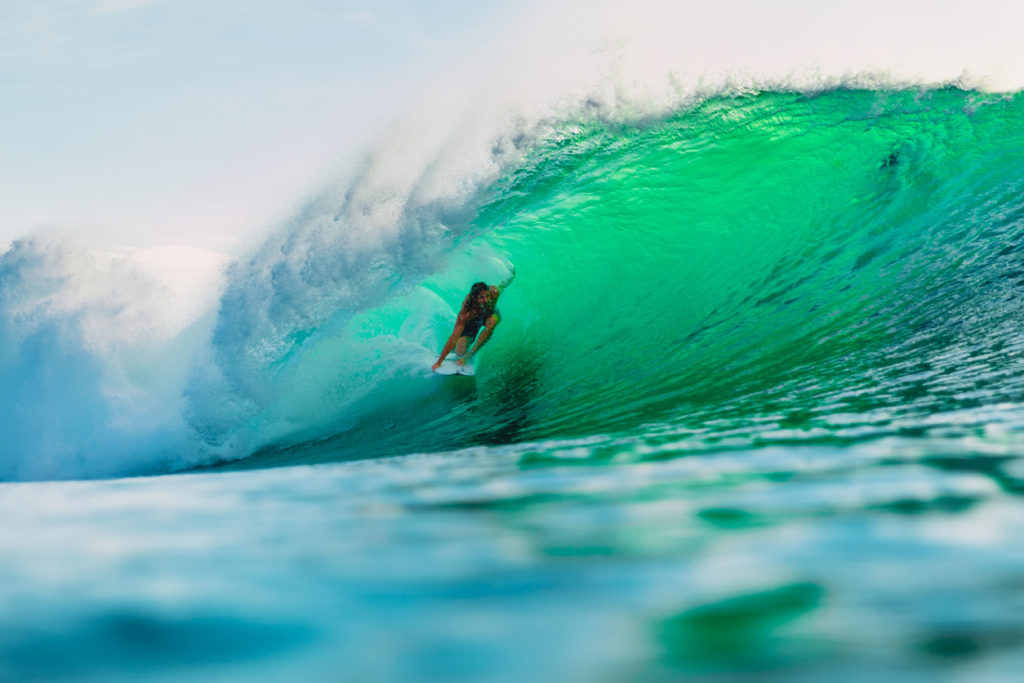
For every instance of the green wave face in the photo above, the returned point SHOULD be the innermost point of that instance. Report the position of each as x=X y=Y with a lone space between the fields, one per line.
x=762 y=253
x=772 y=266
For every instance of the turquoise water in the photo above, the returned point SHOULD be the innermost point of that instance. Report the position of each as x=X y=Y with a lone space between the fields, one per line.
x=783 y=266
x=754 y=410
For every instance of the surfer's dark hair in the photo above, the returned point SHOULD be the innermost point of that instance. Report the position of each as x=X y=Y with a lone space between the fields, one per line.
x=474 y=292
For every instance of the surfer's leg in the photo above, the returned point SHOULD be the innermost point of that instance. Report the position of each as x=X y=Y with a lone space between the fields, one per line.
x=460 y=346
x=485 y=334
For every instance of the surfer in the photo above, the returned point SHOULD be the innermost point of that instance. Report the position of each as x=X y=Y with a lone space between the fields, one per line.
x=479 y=315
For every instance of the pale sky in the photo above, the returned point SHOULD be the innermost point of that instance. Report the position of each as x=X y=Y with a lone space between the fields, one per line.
x=192 y=120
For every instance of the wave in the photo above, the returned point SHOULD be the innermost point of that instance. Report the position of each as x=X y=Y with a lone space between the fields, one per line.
x=95 y=350
x=773 y=256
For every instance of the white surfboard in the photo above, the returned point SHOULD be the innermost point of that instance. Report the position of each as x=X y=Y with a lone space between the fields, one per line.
x=450 y=367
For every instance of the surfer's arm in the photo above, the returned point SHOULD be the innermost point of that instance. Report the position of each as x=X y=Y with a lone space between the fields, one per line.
x=507 y=281
x=460 y=324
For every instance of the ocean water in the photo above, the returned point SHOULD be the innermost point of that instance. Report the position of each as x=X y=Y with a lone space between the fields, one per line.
x=755 y=410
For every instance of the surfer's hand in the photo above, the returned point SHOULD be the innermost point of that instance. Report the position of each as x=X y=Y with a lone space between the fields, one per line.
x=436 y=365
x=461 y=361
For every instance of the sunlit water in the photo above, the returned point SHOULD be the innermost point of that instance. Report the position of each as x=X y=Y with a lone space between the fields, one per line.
x=755 y=409
x=599 y=559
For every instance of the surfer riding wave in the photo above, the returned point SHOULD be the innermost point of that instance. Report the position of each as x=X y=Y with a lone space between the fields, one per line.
x=479 y=311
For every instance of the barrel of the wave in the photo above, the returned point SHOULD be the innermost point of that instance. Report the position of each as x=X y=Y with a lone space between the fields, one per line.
x=475 y=324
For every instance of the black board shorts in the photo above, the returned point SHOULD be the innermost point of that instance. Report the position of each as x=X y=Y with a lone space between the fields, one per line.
x=473 y=326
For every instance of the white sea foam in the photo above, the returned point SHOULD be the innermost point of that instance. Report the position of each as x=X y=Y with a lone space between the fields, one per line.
x=96 y=347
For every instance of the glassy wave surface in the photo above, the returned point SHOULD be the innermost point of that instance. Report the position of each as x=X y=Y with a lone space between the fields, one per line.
x=769 y=268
